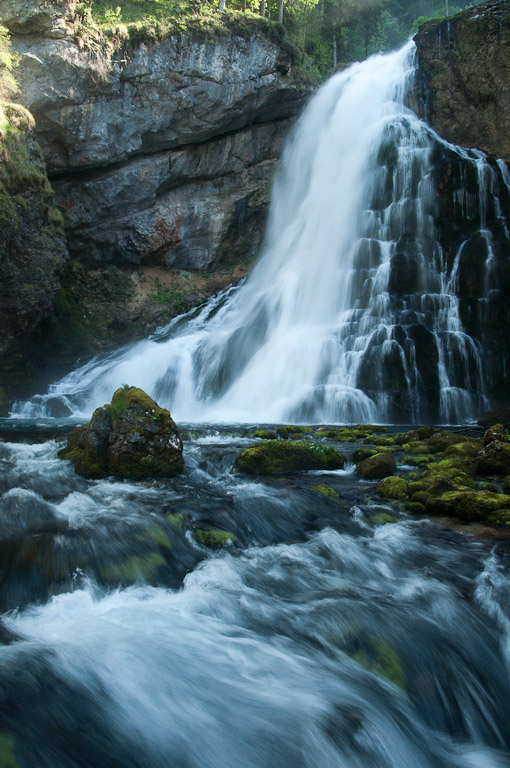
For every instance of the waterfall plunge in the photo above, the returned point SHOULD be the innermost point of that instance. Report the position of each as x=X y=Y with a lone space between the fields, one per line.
x=316 y=334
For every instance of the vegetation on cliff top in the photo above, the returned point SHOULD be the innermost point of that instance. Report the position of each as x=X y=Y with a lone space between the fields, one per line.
x=320 y=35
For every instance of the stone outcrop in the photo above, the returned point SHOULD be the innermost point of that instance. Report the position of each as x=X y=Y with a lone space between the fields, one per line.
x=132 y=437
x=161 y=152
x=32 y=246
x=464 y=77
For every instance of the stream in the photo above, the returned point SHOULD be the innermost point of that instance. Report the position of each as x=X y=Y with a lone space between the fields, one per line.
x=330 y=630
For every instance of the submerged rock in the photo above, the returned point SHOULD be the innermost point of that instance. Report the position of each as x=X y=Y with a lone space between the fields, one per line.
x=131 y=437
x=275 y=457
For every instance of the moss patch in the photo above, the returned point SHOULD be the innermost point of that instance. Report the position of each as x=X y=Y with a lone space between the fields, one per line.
x=393 y=488
x=275 y=457
x=214 y=538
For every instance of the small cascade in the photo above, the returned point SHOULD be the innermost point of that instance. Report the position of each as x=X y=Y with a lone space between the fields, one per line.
x=372 y=296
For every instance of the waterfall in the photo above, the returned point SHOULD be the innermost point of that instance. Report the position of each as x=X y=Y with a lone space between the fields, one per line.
x=352 y=312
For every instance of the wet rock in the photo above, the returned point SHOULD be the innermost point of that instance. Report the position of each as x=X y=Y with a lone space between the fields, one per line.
x=393 y=488
x=464 y=76
x=131 y=437
x=276 y=457
x=376 y=467
x=494 y=459
x=213 y=538
x=496 y=432
x=265 y=434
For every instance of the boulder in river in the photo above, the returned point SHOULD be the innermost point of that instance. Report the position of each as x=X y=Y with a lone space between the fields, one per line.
x=276 y=457
x=131 y=437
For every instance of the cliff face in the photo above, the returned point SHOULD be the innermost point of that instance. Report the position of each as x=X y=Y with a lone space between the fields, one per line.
x=463 y=88
x=464 y=77
x=160 y=153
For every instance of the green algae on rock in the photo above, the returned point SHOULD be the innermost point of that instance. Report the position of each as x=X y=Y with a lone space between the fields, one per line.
x=376 y=467
x=214 y=538
x=275 y=457
x=393 y=488
x=132 y=437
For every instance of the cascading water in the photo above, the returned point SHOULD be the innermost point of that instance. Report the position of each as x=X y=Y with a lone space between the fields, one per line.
x=352 y=313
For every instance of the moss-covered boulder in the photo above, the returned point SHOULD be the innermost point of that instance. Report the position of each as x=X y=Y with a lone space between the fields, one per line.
x=274 y=457
x=265 y=434
x=290 y=431
x=470 y=506
x=494 y=457
x=214 y=538
x=393 y=488
x=132 y=437
x=376 y=467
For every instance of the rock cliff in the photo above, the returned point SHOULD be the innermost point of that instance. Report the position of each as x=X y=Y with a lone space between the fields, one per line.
x=160 y=151
x=464 y=77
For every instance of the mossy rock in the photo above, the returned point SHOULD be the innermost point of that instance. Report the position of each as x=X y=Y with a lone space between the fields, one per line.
x=289 y=431
x=496 y=432
x=214 y=538
x=420 y=460
x=416 y=508
x=132 y=437
x=382 y=441
x=376 y=467
x=494 y=459
x=370 y=428
x=416 y=486
x=378 y=656
x=265 y=434
x=176 y=519
x=328 y=493
x=274 y=457
x=419 y=497
x=381 y=518
x=468 y=449
x=141 y=567
x=417 y=448
x=393 y=488
x=360 y=454
x=470 y=506
x=404 y=438
x=7 y=755
x=440 y=441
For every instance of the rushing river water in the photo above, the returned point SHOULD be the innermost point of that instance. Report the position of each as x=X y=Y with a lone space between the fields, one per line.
x=318 y=637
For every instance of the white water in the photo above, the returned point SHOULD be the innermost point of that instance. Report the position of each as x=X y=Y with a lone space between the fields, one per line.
x=315 y=334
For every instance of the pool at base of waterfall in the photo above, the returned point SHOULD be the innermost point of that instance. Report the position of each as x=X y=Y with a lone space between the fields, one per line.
x=219 y=619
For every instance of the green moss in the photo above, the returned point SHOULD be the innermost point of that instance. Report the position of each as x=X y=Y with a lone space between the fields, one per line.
x=7 y=755
x=134 y=568
x=418 y=460
x=360 y=454
x=176 y=519
x=265 y=434
x=379 y=657
x=376 y=467
x=329 y=493
x=393 y=488
x=470 y=506
x=381 y=518
x=214 y=538
x=290 y=431
x=156 y=535
x=416 y=508
x=276 y=457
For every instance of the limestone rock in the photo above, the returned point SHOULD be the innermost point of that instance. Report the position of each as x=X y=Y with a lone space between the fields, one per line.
x=464 y=76
x=131 y=437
